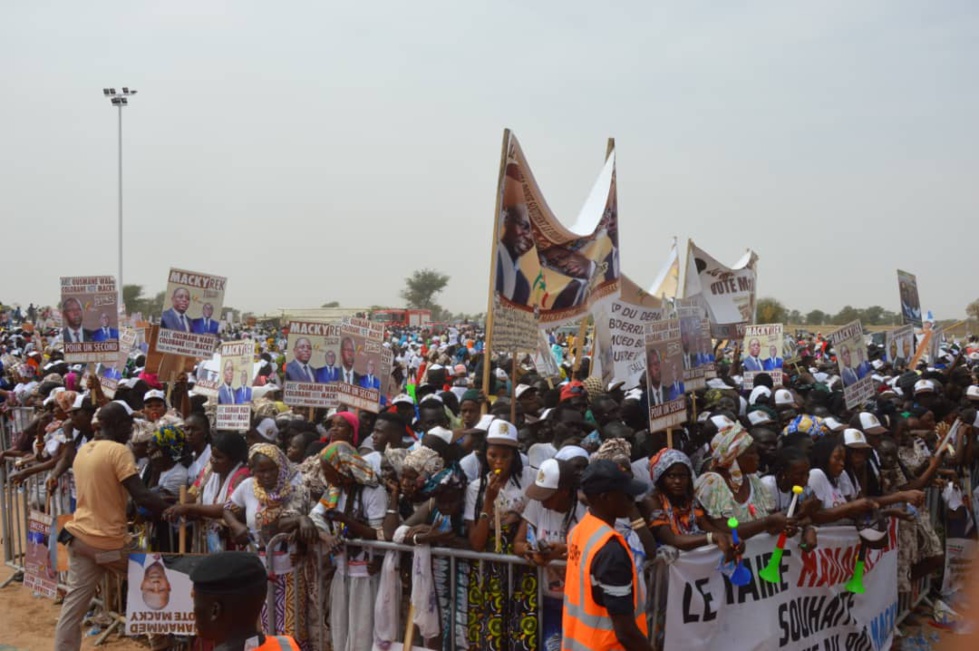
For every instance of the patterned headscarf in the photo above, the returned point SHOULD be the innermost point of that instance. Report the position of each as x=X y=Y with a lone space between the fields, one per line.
x=395 y=457
x=614 y=450
x=666 y=459
x=273 y=501
x=425 y=461
x=343 y=458
x=448 y=478
x=65 y=399
x=811 y=425
x=171 y=440
x=726 y=446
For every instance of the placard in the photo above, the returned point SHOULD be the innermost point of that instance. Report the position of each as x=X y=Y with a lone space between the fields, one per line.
x=312 y=364
x=40 y=572
x=90 y=314
x=235 y=390
x=907 y=284
x=664 y=375
x=899 y=346
x=188 y=325
x=160 y=598
x=695 y=342
x=761 y=352
x=359 y=386
x=855 y=370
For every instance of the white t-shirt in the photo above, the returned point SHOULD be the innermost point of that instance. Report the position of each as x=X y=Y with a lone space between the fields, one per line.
x=830 y=496
x=549 y=525
x=171 y=480
x=470 y=465
x=372 y=506
x=511 y=496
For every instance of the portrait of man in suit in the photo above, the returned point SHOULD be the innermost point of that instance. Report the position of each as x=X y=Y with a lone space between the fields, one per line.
x=205 y=325
x=330 y=372
x=575 y=265
x=243 y=395
x=847 y=373
x=176 y=317
x=654 y=378
x=370 y=380
x=73 y=332
x=104 y=332
x=226 y=394
x=773 y=361
x=516 y=240
x=299 y=370
x=752 y=362
x=348 y=353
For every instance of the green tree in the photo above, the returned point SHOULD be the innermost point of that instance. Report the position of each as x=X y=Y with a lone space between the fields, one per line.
x=331 y=304
x=816 y=317
x=421 y=288
x=847 y=314
x=770 y=310
x=873 y=315
x=795 y=317
x=132 y=295
x=972 y=309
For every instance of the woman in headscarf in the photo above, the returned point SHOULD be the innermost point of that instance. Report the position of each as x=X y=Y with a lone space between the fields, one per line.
x=273 y=501
x=166 y=451
x=675 y=516
x=733 y=488
x=344 y=426
x=354 y=505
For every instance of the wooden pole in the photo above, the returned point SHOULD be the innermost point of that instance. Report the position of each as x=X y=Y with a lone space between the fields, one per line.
x=513 y=388
x=488 y=342
x=410 y=628
x=182 y=544
x=669 y=437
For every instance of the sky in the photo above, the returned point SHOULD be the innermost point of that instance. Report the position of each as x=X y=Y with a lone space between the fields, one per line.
x=313 y=152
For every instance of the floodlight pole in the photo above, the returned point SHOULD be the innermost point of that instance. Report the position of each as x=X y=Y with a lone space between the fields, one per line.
x=119 y=100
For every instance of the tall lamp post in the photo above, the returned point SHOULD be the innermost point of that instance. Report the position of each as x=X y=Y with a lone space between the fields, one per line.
x=119 y=100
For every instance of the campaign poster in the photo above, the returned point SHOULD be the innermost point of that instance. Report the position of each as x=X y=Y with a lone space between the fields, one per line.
x=761 y=352
x=90 y=317
x=235 y=391
x=809 y=607
x=40 y=571
x=728 y=293
x=188 y=325
x=899 y=346
x=544 y=362
x=513 y=329
x=855 y=370
x=698 y=352
x=207 y=376
x=620 y=329
x=109 y=377
x=389 y=386
x=312 y=364
x=907 y=284
x=542 y=267
x=664 y=375
x=359 y=385
x=160 y=598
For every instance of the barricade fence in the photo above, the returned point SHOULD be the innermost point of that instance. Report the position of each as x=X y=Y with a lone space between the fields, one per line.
x=17 y=502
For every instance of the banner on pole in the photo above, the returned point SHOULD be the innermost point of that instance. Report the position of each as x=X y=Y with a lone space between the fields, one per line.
x=90 y=314
x=664 y=375
x=907 y=285
x=855 y=370
x=761 y=352
x=188 y=325
x=312 y=364
x=728 y=293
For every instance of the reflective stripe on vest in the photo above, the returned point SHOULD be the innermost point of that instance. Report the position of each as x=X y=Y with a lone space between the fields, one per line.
x=278 y=643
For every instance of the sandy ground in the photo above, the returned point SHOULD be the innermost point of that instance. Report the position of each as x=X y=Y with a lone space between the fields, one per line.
x=27 y=622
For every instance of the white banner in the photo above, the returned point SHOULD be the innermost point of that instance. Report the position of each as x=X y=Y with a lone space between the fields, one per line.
x=808 y=609
x=728 y=293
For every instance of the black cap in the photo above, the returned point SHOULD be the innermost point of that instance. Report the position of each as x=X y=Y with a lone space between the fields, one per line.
x=230 y=573
x=605 y=476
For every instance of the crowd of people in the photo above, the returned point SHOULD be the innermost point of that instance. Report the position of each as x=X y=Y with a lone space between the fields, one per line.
x=526 y=466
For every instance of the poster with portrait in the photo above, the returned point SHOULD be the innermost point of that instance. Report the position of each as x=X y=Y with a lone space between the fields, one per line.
x=189 y=324
x=727 y=293
x=40 y=568
x=695 y=342
x=907 y=284
x=761 y=352
x=237 y=363
x=543 y=268
x=664 y=375
x=312 y=364
x=160 y=601
x=620 y=328
x=359 y=386
x=899 y=346
x=90 y=318
x=855 y=370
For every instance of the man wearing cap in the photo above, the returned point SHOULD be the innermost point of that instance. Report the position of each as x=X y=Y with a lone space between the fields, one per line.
x=229 y=591
x=299 y=370
x=330 y=372
x=601 y=597
x=97 y=537
x=176 y=317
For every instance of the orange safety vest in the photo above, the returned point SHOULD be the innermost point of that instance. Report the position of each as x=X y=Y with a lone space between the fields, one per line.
x=586 y=626
x=278 y=643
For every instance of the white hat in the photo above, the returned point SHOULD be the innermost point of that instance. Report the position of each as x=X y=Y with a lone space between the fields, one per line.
x=260 y=392
x=569 y=452
x=121 y=403
x=267 y=429
x=833 y=424
x=484 y=422
x=869 y=423
x=402 y=399
x=972 y=393
x=784 y=397
x=435 y=367
x=49 y=400
x=546 y=482
x=717 y=383
x=924 y=386
x=501 y=432
x=544 y=414
x=633 y=394
x=757 y=393
x=432 y=397
x=440 y=432
x=539 y=453
x=615 y=384
x=759 y=417
x=501 y=374
x=877 y=364
x=522 y=389
x=78 y=401
x=154 y=394
x=854 y=438
x=721 y=422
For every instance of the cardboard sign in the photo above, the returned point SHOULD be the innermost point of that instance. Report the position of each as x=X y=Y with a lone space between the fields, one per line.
x=312 y=364
x=235 y=390
x=188 y=324
x=359 y=385
x=40 y=569
x=90 y=313
x=855 y=370
x=899 y=346
x=728 y=293
x=695 y=342
x=664 y=375
x=761 y=352
x=907 y=285
x=160 y=599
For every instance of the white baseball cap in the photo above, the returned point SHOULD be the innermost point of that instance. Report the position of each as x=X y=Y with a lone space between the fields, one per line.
x=440 y=432
x=924 y=386
x=833 y=424
x=501 y=432
x=757 y=393
x=784 y=397
x=154 y=394
x=546 y=482
x=402 y=398
x=759 y=417
x=854 y=438
x=267 y=429
x=522 y=389
x=869 y=423
x=972 y=393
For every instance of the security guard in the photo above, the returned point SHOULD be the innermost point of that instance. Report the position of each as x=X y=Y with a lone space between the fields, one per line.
x=602 y=610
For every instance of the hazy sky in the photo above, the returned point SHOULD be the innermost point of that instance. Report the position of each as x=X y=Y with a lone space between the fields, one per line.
x=316 y=151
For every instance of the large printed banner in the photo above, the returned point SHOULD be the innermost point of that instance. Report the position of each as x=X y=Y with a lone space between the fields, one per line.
x=855 y=370
x=235 y=392
x=90 y=314
x=188 y=325
x=160 y=598
x=899 y=345
x=664 y=375
x=542 y=267
x=910 y=303
x=761 y=352
x=361 y=348
x=620 y=327
x=312 y=364
x=809 y=609
x=728 y=293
